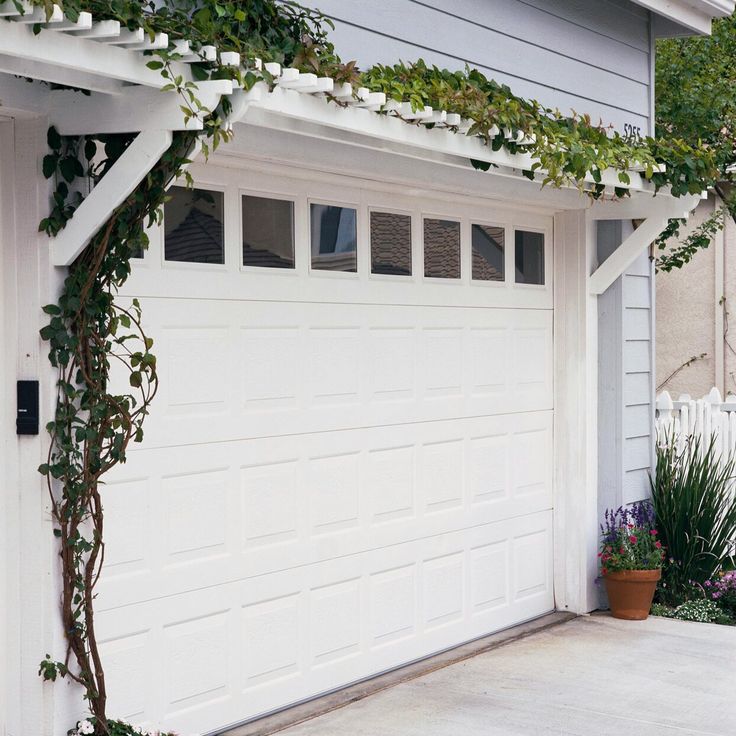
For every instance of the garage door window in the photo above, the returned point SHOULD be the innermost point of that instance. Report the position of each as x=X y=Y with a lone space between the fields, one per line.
x=441 y=249
x=488 y=253
x=334 y=238
x=390 y=244
x=529 y=257
x=193 y=230
x=268 y=232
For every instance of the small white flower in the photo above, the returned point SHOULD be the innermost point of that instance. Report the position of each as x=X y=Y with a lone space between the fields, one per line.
x=86 y=727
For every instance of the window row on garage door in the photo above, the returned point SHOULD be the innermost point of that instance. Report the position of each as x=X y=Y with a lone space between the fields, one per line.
x=194 y=233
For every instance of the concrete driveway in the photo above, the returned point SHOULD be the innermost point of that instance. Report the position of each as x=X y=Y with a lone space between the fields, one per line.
x=592 y=676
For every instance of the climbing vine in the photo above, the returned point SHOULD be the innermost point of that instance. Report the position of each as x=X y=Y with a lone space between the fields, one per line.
x=107 y=370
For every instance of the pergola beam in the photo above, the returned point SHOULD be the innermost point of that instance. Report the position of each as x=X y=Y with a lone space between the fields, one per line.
x=135 y=109
x=316 y=112
x=79 y=56
x=48 y=72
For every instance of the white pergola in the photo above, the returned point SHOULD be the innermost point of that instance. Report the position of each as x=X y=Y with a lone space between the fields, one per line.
x=123 y=95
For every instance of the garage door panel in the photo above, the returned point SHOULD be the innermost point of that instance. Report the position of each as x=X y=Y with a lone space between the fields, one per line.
x=249 y=646
x=232 y=284
x=341 y=473
x=232 y=510
x=275 y=372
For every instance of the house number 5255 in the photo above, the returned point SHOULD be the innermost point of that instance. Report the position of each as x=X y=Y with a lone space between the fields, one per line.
x=632 y=131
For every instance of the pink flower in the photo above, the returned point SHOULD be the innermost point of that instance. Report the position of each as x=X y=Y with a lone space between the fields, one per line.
x=653 y=532
x=658 y=545
x=632 y=539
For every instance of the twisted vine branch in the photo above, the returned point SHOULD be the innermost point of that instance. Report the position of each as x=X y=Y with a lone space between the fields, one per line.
x=90 y=336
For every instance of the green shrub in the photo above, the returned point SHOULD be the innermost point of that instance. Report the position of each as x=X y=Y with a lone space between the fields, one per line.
x=659 y=609
x=703 y=611
x=696 y=515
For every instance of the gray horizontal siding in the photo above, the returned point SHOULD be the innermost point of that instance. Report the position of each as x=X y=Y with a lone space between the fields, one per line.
x=638 y=369
x=625 y=369
x=618 y=19
x=591 y=57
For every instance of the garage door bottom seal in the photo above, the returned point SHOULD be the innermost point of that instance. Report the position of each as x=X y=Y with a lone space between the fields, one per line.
x=322 y=704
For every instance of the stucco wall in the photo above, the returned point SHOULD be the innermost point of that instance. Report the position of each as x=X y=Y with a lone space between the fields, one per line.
x=685 y=327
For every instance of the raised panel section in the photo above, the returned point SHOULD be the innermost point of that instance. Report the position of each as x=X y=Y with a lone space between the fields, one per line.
x=268 y=358
x=489 y=468
x=334 y=364
x=442 y=475
x=443 y=589
x=128 y=527
x=390 y=488
x=197 y=363
x=531 y=462
x=333 y=493
x=490 y=360
x=195 y=658
x=393 y=604
x=271 y=638
x=270 y=503
x=531 y=571
x=197 y=510
x=335 y=617
x=392 y=378
x=127 y=674
x=443 y=361
x=489 y=576
x=531 y=362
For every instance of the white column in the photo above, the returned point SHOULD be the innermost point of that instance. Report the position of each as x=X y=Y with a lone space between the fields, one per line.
x=575 y=426
x=30 y=600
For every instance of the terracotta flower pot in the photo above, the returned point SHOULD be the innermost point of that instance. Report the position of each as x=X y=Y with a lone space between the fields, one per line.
x=630 y=592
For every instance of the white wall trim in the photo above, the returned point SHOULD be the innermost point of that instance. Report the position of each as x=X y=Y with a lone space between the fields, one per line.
x=575 y=418
x=693 y=14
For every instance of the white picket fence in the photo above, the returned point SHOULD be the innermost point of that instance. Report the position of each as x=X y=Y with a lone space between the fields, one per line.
x=708 y=417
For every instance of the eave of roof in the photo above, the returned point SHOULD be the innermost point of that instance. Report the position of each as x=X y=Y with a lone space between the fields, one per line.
x=694 y=15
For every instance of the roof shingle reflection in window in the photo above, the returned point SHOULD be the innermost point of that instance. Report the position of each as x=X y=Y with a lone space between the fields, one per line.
x=390 y=244
x=198 y=239
x=442 y=249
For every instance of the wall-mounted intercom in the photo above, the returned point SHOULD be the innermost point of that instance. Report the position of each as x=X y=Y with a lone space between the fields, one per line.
x=27 y=418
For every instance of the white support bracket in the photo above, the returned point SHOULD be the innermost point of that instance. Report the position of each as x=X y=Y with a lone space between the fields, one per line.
x=116 y=185
x=632 y=246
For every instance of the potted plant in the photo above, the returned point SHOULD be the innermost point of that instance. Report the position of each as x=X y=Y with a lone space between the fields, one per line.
x=631 y=558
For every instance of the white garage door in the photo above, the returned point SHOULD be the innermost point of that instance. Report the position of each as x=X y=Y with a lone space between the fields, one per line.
x=349 y=463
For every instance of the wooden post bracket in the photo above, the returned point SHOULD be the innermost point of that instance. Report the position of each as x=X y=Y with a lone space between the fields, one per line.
x=661 y=211
x=130 y=169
